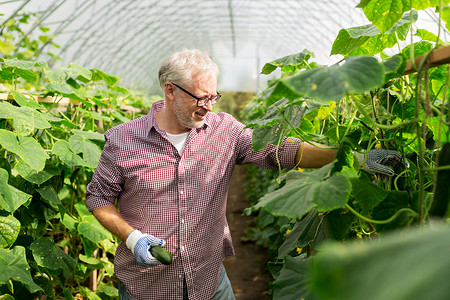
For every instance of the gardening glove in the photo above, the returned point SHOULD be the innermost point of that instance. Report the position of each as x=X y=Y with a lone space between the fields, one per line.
x=140 y=245
x=379 y=161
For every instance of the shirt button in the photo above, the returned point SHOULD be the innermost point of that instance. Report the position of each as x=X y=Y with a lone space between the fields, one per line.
x=181 y=192
x=182 y=248
x=181 y=276
x=182 y=221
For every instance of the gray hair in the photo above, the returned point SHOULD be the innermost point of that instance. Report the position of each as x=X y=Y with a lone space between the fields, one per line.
x=179 y=66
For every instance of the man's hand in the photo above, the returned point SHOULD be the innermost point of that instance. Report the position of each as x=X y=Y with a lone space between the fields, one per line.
x=140 y=245
x=379 y=161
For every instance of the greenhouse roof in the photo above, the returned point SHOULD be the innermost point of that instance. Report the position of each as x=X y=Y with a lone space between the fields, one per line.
x=130 y=39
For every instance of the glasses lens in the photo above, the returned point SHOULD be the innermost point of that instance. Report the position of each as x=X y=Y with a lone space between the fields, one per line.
x=204 y=101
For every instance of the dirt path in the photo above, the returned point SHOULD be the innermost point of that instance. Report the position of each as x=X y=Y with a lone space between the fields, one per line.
x=247 y=270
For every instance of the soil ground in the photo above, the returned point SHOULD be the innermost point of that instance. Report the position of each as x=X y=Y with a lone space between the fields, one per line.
x=247 y=270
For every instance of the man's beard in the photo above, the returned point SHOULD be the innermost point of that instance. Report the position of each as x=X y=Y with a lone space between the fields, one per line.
x=184 y=117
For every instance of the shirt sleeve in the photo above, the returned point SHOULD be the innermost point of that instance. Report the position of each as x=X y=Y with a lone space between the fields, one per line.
x=269 y=158
x=107 y=181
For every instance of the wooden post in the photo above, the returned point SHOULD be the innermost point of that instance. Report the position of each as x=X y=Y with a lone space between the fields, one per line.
x=436 y=58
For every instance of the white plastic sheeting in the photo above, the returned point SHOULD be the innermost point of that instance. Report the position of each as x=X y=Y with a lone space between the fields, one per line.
x=130 y=39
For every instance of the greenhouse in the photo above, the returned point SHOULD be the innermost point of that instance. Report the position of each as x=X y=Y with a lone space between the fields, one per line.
x=148 y=146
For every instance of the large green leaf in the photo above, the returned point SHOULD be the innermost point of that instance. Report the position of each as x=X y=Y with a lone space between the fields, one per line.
x=100 y=75
x=62 y=149
x=93 y=230
x=25 y=119
x=31 y=175
x=385 y=13
x=22 y=100
x=356 y=75
x=14 y=266
x=11 y=198
x=49 y=195
x=47 y=254
x=412 y=264
x=366 y=193
x=315 y=228
x=91 y=152
x=21 y=64
x=9 y=230
x=306 y=190
x=292 y=283
x=25 y=147
x=288 y=63
x=367 y=39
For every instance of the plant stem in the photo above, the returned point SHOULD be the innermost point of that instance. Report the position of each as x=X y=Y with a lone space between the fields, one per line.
x=381 y=222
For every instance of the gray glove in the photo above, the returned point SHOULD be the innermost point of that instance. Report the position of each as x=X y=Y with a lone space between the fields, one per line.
x=379 y=161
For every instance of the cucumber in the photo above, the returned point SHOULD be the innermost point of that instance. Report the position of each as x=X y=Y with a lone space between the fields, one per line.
x=161 y=254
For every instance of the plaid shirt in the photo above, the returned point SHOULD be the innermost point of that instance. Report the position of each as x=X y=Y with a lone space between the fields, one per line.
x=181 y=199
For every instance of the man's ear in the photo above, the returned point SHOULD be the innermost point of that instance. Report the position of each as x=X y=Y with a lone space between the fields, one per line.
x=169 y=91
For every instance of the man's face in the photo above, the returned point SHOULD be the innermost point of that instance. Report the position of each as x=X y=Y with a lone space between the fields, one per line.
x=189 y=115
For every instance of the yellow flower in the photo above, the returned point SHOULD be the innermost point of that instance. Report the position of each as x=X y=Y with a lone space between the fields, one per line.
x=287 y=231
x=300 y=169
x=359 y=235
x=320 y=214
x=290 y=141
x=377 y=146
x=299 y=250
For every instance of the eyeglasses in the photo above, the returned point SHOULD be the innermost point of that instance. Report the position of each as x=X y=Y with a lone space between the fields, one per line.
x=200 y=101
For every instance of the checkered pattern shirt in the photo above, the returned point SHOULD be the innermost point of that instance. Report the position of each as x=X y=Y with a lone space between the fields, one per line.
x=181 y=199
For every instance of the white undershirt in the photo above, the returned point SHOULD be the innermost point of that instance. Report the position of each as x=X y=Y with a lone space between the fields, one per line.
x=178 y=140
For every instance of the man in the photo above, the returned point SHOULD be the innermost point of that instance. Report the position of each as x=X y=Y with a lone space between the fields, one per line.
x=169 y=172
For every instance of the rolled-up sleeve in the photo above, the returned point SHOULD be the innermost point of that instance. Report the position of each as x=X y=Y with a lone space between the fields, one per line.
x=272 y=157
x=107 y=181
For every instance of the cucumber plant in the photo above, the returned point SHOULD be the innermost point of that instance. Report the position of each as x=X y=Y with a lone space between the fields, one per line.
x=49 y=243
x=362 y=102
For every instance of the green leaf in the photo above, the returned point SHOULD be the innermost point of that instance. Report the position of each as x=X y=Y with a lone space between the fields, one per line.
x=11 y=198
x=9 y=230
x=25 y=119
x=21 y=64
x=49 y=195
x=356 y=75
x=428 y=36
x=14 y=266
x=6 y=198
x=366 y=193
x=262 y=136
x=108 y=290
x=410 y=264
x=90 y=135
x=100 y=75
x=288 y=63
x=63 y=151
x=24 y=101
x=25 y=147
x=385 y=13
x=31 y=175
x=28 y=75
x=394 y=201
x=93 y=230
x=395 y=66
x=367 y=39
x=69 y=222
x=91 y=152
x=292 y=283
x=47 y=254
x=304 y=191
x=446 y=16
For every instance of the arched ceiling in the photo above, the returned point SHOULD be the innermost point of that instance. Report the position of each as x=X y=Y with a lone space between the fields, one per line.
x=130 y=39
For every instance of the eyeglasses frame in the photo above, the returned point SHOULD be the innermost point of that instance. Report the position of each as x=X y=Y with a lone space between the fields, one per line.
x=213 y=99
